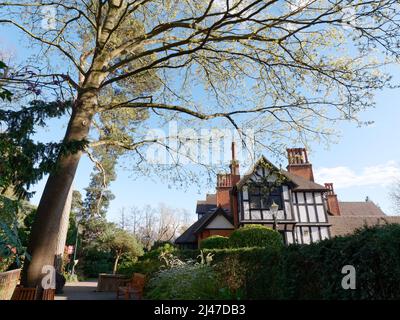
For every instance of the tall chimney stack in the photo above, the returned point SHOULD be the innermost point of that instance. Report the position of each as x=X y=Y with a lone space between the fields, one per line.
x=226 y=198
x=298 y=163
x=234 y=166
x=332 y=200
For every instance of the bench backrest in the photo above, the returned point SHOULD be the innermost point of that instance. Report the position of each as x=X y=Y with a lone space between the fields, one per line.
x=48 y=294
x=138 y=281
x=22 y=293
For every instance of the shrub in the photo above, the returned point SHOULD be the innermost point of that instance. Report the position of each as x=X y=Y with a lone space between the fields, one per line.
x=215 y=242
x=162 y=244
x=70 y=277
x=314 y=271
x=94 y=262
x=12 y=253
x=373 y=251
x=255 y=236
x=187 y=254
x=249 y=272
x=147 y=264
x=185 y=282
x=188 y=280
x=294 y=272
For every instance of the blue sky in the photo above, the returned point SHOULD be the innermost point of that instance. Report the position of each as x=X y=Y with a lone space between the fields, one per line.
x=364 y=161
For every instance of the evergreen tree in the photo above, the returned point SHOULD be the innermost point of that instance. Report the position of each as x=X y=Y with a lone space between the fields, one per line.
x=23 y=161
x=5 y=94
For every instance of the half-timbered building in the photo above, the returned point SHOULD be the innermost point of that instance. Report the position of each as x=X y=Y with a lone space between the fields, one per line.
x=289 y=201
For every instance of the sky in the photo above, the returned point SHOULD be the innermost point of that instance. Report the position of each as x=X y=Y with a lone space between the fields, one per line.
x=365 y=161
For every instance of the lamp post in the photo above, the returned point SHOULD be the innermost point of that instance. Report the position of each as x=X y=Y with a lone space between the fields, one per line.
x=274 y=210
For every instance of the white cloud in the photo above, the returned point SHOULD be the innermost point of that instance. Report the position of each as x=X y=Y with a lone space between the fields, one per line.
x=344 y=177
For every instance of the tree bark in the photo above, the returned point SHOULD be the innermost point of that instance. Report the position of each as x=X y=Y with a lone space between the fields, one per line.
x=45 y=230
x=116 y=264
x=62 y=236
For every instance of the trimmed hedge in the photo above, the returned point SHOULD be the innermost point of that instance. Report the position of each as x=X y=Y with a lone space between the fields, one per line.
x=312 y=271
x=215 y=242
x=315 y=271
x=255 y=236
x=373 y=251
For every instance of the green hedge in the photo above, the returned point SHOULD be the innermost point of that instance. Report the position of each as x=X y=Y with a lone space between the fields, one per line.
x=374 y=252
x=255 y=236
x=315 y=271
x=94 y=262
x=299 y=271
x=215 y=242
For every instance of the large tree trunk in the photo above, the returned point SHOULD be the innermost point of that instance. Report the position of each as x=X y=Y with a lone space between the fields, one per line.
x=45 y=230
x=62 y=236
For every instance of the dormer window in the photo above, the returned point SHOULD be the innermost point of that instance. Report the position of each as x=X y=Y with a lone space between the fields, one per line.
x=261 y=199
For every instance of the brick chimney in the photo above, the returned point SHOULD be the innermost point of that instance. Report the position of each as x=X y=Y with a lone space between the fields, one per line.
x=234 y=166
x=332 y=200
x=298 y=163
x=226 y=198
x=224 y=186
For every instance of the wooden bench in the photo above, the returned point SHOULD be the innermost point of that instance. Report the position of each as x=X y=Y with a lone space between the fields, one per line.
x=48 y=294
x=110 y=282
x=134 y=286
x=22 y=293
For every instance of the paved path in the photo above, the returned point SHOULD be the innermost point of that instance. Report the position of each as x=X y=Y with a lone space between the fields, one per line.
x=84 y=290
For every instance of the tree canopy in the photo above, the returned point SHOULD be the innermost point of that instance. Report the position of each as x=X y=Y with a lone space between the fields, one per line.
x=120 y=242
x=286 y=69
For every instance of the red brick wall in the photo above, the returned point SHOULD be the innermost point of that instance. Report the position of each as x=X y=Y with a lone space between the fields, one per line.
x=235 y=209
x=223 y=198
x=302 y=170
x=333 y=204
x=213 y=232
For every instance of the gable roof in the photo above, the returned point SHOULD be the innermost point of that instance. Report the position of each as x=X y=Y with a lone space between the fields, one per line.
x=252 y=170
x=365 y=208
x=204 y=208
x=345 y=225
x=189 y=236
x=210 y=217
x=300 y=183
x=355 y=215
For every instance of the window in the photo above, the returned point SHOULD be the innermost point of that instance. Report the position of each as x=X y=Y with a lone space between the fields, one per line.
x=255 y=202
x=260 y=200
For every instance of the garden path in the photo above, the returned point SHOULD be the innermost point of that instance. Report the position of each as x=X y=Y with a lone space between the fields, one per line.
x=84 y=290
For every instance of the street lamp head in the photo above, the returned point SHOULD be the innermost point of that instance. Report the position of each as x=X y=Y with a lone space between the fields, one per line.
x=274 y=208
